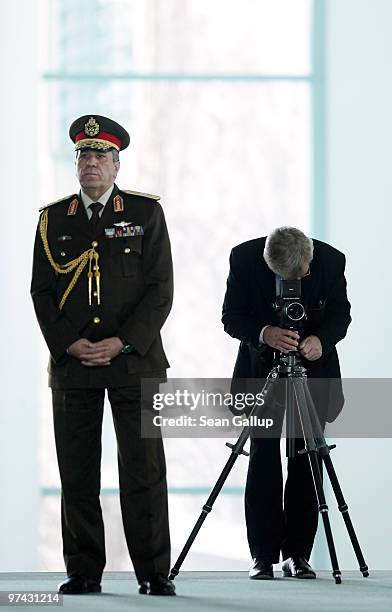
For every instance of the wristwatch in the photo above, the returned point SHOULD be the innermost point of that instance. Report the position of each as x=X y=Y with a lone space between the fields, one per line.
x=127 y=348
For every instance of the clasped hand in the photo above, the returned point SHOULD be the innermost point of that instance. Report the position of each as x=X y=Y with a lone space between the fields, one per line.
x=286 y=340
x=93 y=354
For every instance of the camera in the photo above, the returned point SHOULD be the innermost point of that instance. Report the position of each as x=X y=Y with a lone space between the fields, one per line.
x=288 y=306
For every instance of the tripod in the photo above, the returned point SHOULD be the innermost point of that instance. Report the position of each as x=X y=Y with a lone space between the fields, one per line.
x=297 y=397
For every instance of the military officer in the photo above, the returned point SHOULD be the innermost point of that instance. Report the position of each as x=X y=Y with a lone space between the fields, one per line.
x=102 y=289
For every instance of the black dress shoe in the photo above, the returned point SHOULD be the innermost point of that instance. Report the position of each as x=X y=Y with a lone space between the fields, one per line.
x=261 y=570
x=79 y=585
x=297 y=567
x=157 y=585
x=144 y=587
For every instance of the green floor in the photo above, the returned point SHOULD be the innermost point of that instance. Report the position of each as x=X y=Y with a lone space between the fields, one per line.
x=222 y=591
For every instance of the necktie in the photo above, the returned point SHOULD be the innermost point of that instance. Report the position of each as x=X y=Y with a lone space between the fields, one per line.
x=95 y=207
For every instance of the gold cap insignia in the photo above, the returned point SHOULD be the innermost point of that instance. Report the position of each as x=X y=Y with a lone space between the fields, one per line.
x=91 y=128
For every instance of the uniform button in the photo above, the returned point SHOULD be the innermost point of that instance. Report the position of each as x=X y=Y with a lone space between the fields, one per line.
x=127 y=250
x=95 y=294
x=97 y=320
x=62 y=254
x=94 y=244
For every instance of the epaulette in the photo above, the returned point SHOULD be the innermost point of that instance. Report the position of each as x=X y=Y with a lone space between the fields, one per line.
x=144 y=195
x=73 y=195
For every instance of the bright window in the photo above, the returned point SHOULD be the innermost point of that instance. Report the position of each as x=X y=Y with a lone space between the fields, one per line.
x=219 y=100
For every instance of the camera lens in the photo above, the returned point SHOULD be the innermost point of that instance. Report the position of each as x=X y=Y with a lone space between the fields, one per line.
x=295 y=311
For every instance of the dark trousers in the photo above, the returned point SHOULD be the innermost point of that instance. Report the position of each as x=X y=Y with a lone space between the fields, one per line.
x=275 y=524
x=142 y=477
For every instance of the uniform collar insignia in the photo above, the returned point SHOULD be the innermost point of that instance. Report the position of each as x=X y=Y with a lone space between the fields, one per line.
x=118 y=204
x=73 y=207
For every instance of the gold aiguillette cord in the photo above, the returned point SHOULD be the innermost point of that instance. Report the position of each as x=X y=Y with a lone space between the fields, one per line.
x=77 y=265
x=97 y=275
x=93 y=271
x=90 y=276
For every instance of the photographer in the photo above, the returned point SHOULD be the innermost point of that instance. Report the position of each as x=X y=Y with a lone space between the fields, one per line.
x=249 y=315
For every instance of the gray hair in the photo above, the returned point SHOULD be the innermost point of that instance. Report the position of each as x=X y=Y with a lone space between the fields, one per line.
x=287 y=252
x=116 y=156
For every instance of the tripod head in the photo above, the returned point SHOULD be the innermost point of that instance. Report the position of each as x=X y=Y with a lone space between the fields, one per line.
x=289 y=364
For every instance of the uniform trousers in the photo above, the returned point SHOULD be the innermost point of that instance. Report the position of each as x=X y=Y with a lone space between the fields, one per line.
x=279 y=520
x=78 y=417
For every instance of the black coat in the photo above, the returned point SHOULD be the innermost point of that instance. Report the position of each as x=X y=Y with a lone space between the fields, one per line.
x=248 y=308
x=136 y=291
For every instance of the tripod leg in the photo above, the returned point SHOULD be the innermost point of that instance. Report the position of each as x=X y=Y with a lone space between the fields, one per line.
x=236 y=450
x=324 y=450
x=203 y=515
x=311 y=448
x=290 y=418
x=323 y=509
x=343 y=507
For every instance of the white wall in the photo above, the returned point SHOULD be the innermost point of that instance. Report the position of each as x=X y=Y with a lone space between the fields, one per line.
x=359 y=180
x=359 y=216
x=18 y=364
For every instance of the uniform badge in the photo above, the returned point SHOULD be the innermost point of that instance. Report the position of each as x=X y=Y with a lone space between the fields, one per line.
x=73 y=207
x=118 y=204
x=91 y=128
x=124 y=229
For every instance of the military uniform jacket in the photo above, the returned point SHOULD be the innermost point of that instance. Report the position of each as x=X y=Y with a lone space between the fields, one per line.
x=136 y=281
x=248 y=307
